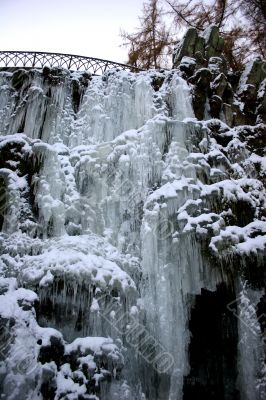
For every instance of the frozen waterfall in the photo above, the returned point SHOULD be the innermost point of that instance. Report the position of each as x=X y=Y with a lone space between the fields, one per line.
x=114 y=241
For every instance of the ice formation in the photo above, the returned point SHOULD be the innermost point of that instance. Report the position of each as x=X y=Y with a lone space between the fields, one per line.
x=127 y=224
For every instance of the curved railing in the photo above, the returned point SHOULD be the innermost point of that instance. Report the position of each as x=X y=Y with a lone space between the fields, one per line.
x=40 y=59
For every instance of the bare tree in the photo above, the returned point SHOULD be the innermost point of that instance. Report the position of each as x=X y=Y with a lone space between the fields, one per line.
x=255 y=12
x=151 y=42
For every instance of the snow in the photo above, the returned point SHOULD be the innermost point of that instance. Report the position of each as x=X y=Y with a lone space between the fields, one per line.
x=72 y=260
x=47 y=279
x=93 y=344
x=255 y=159
x=239 y=238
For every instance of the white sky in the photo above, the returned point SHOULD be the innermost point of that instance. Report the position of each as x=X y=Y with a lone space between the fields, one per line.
x=83 y=27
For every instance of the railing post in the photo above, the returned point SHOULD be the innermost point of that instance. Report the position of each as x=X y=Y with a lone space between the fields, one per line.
x=69 y=64
x=34 y=59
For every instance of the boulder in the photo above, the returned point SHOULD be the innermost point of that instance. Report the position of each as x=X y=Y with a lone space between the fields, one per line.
x=214 y=42
x=54 y=351
x=187 y=46
x=199 y=102
x=215 y=106
x=219 y=85
x=254 y=74
x=200 y=47
x=228 y=114
x=250 y=90
x=188 y=65
x=218 y=65
x=19 y=78
x=202 y=78
x=200 y=59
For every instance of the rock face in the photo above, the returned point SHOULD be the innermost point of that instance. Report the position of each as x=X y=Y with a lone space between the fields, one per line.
x=133 y=231
x=235 y=99
x=202 y=48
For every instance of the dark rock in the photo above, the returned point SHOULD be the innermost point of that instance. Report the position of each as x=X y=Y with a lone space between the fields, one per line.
x=200 y=59
x=78 y=88
x=213 y=347
x=228 y=114
x=76 y=94
x=254 y=74
x=195 y=53
x=53 y=76
x=255 y=137
x=248 y=88
x=12 y=154
x=214 y=42
x=220 y=132
x=261 y=103
x=233 y=79
x=219 y=85
x=3 y=207
x=199 y=102
x=188 y=66
x=233 y=115
x=157 y=82
x=46 y=71
x=215 y=106
x=19 y=77
x=3 y=285
x=53 y=352
x=248 y=96
x=217 y=65
x=228 y=95
x=202 y=79
x=187 y=46
x=199 y=48
x=48 y=386
x=25 y=305
x=239 y=117
x=243 y=213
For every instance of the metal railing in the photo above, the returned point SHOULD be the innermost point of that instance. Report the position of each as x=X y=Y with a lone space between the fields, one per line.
x=40 y=59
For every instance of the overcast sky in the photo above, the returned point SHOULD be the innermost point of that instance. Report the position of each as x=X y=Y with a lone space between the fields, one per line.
x=84 y=27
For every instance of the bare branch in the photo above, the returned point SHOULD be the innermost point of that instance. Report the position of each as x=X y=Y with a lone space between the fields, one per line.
x=182 y=16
